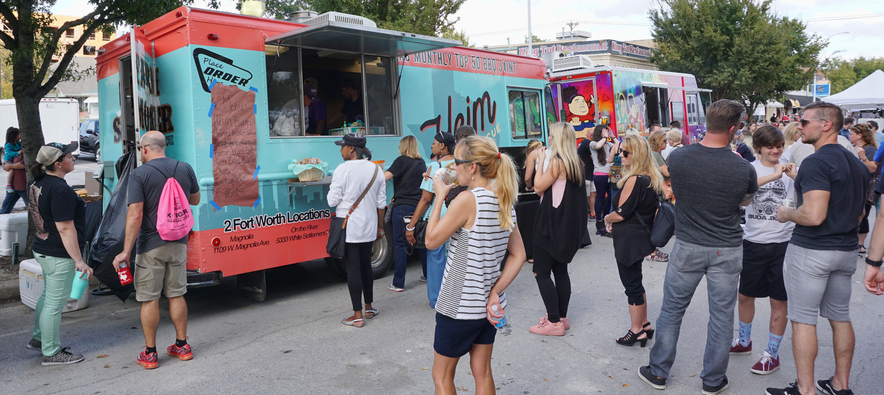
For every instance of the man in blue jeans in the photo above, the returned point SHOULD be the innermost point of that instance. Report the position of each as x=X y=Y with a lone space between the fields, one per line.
x=710 y=184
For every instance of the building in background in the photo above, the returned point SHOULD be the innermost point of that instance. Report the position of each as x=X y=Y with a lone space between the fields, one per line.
x=631 y=54
x=90 y=47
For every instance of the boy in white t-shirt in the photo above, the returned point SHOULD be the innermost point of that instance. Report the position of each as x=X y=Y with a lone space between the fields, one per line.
x=764 y=247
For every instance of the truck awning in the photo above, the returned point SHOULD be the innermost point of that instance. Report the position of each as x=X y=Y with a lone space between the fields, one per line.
x=663 y=85
x=346 y=37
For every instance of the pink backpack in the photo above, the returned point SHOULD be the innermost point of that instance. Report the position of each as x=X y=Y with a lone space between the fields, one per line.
x=174 y=218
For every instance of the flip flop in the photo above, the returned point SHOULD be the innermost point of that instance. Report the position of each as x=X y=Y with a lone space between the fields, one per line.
x=357 y=323
x=371 y=313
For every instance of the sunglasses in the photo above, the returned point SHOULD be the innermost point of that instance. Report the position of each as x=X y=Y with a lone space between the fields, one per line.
x=624 y=153
x=461 y=161
x=804 y=122
x=142 y=146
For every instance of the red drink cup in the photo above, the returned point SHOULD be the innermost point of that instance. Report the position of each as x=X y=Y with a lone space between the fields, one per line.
x=125 y=274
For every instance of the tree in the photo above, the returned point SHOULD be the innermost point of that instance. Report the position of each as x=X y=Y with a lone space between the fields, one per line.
x=534 y=39
x=842 y=74
x=427 y=17
x=461 y=36
x=738 y=48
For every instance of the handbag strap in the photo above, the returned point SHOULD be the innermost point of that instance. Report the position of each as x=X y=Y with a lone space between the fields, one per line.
x=660 y=199
x=367 y=187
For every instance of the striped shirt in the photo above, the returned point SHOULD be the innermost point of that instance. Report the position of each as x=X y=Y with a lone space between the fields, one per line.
x=473 y=265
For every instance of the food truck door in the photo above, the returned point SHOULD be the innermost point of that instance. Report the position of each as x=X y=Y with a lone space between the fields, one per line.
x=139 y=93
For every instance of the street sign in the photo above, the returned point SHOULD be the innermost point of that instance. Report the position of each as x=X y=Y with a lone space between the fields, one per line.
x=821 y=90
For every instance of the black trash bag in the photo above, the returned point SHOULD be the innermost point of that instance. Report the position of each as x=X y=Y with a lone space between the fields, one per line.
x=111 y=233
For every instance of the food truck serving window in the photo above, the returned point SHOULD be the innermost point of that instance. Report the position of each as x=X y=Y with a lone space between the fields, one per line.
x=314 y=92
x=525 y=115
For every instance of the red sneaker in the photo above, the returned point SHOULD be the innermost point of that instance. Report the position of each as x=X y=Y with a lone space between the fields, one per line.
x=183 y=353
x=766 y=365
x=149 y=361
x=737 y=348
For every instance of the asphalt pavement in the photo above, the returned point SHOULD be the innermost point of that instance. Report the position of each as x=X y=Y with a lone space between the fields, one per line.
x=294 y=342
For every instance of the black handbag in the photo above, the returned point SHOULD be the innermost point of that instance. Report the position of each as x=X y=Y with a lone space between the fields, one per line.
x=663 y=228
x=337 y=231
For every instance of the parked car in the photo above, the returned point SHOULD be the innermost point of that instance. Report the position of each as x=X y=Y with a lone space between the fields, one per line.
x=89 y=138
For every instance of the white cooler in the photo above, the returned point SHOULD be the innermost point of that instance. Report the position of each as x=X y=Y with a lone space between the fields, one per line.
x=30 y=284
x=13 y=229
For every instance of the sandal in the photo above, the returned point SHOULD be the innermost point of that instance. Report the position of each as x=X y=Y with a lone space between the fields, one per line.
x=862 y=249
x=371 y=313
x=357 y=323
x=632 y=338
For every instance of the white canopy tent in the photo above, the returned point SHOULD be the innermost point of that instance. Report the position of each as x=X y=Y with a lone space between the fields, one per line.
x=868 y=93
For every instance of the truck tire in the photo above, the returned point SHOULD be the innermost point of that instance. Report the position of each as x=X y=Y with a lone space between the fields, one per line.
x=381 y=257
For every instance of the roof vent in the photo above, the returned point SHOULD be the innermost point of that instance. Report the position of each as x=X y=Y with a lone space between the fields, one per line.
x=338 y=17
x=301 y=16
x=571 y=63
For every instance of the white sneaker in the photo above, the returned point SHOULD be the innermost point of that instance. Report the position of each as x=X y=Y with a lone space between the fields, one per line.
x=395 y=289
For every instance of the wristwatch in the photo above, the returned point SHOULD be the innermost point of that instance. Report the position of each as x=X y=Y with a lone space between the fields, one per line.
x=873 y=263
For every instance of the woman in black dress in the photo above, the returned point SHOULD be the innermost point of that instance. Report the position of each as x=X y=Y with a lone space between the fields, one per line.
x=640 y=187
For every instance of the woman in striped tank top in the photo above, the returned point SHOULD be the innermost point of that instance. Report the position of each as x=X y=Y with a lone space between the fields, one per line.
x=481 y=226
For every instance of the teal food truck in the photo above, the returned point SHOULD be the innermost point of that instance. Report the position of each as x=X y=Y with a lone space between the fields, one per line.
x=234 y=95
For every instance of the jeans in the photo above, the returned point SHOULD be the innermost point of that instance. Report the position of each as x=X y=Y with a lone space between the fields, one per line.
x=556 y=296
x=688 y=263
x=11 y=199
x=58 y=279
x=602 y=195
x=400 y=257
x=436 y=260
x=360 y=279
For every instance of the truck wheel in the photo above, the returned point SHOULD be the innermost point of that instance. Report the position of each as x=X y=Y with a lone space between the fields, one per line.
x=382 y=253
x=336 y=266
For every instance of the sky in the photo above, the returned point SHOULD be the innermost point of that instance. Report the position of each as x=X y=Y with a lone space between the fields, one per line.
x=852 y=27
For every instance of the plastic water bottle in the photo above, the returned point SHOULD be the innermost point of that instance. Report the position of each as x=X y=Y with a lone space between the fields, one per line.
x=502 y=323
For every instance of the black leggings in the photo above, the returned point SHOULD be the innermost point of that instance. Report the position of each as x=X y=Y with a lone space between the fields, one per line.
x=555 y=296
x=631 y=277
x=357 y=258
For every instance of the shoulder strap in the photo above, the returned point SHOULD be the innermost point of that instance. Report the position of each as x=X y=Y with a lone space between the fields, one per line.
x=161 y=172
x=413 y=166
x=373 y=177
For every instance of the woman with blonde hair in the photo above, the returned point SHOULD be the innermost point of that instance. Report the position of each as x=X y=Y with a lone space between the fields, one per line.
x=481 y=226
x=641 y=187
x=407 y=173
x=791 y=134
x=557 y=231
x=531 y=151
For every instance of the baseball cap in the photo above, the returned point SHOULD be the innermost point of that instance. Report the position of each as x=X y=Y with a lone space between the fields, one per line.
x=445 y=138
x=310 y=91
x=353 y=140
x=50 y=153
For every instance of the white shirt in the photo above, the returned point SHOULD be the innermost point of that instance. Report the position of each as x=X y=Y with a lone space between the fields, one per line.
x=348 y=182
x=796 y=152
x=666 y=151
x=761 y=215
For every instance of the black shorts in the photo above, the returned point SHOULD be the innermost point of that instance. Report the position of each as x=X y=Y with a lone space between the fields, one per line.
x=455 y=338
x=762 y=274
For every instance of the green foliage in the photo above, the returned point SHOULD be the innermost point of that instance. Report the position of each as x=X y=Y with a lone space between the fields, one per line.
x=427 y=17
x=461 y=36
x=842 y=74
x=534 y=39
x=738 y=48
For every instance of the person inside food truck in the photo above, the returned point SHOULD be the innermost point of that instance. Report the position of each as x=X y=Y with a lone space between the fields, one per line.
x=353 y=103
x=317 y=114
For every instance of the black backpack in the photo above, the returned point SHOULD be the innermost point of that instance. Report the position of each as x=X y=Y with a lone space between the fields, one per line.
x=663 y=227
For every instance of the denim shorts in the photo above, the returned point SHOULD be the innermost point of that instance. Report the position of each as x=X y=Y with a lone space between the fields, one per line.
x=818 y=283
x=455 y=338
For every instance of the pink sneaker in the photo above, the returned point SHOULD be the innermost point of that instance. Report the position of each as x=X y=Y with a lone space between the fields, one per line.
x=737 y=348
x=766 y=365
x=547 y=328
x=546 y=319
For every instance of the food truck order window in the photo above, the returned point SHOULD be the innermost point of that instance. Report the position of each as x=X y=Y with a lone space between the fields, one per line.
x=525 y=116
x=347 y=88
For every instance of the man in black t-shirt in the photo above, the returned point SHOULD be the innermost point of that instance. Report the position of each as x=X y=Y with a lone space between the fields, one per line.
x=710 y=184
x=160 y=264
x=821 y=257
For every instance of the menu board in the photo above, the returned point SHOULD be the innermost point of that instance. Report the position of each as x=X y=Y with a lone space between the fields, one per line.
x=234 y=143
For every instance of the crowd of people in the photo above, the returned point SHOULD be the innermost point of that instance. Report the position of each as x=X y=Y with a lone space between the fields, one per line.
x=806 y=220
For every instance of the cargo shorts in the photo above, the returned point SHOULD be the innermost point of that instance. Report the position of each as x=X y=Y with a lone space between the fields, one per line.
x=161 y=270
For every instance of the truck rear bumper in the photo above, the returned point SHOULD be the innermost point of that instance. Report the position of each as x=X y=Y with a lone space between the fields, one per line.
x=196 y=280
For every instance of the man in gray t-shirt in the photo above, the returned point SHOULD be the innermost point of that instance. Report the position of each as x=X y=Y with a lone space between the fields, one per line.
x=159 y=264
x=710 y=184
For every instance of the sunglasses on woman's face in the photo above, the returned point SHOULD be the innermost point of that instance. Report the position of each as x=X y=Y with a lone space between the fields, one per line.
x=624 y=153
x=461 y=161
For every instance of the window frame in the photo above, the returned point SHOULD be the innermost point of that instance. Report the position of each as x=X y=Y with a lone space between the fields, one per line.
x=540 y=103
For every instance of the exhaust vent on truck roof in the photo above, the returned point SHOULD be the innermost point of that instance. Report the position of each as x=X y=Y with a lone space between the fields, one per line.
x=338 y=17
x=571 y=63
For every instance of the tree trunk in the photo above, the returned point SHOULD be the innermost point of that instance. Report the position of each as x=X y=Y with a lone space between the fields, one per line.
x=28 y=111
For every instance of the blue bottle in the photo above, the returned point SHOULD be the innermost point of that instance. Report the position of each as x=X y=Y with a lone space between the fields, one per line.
x=502 y=322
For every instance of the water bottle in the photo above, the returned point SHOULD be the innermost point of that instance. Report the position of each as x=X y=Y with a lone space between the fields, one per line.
x=502 y=323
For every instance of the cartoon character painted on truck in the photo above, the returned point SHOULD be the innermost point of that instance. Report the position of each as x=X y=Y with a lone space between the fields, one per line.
x=631 y=99
x=216 y=84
